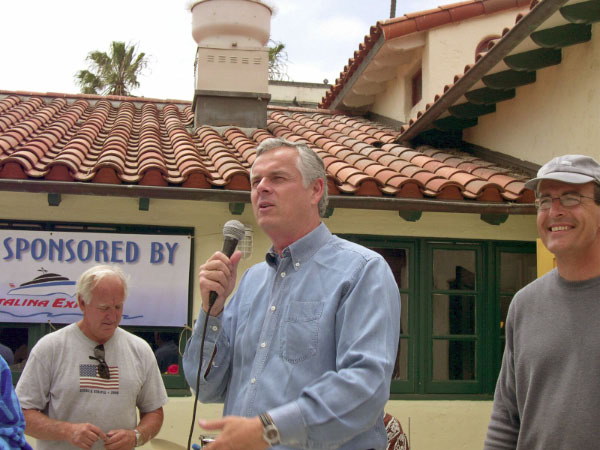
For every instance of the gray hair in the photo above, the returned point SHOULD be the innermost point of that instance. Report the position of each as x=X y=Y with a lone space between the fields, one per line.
x=309 y=164
x=91 y=277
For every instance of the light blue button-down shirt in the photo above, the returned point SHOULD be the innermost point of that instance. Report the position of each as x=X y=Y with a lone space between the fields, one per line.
x=311 y=338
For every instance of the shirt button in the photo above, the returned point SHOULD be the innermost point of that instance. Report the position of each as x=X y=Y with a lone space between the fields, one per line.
x=297 y=264
x=282 y=274
x=263 y=345
x=273 y=308
x=253 y=380
x=215 y=328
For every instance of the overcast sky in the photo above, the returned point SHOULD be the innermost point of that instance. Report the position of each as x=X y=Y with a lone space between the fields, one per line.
x=44 y=43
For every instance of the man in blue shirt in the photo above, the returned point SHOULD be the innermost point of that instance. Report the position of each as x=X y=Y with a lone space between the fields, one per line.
x=12 y=422
x=303 y=354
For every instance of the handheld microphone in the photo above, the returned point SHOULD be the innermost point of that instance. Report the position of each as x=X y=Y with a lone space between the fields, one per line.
x=233 y=232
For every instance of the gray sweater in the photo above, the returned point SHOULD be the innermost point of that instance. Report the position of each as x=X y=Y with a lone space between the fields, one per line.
x=548 y=392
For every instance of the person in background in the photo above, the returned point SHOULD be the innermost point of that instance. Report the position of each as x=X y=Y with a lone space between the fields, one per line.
x=303 y=353
x=82 y=384
x=167 y=352
x=12 y=422
x=547 y=395
x=7 y=353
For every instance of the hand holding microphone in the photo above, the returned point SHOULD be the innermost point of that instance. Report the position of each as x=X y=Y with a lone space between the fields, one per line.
x=217 y=275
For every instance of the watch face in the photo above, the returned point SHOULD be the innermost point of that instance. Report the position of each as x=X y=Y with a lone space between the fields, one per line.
x=271 y=434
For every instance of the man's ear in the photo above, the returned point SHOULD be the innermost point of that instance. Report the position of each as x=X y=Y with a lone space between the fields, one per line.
x=318 y=189
x=81 y=303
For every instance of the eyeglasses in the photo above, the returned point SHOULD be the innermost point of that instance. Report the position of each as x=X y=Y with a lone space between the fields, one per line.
x=103 y=371
x=568 y=200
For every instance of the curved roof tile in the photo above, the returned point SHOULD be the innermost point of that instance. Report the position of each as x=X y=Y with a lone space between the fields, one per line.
x=91 y=139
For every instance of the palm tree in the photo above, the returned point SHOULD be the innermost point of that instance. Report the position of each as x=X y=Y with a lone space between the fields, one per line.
x=113 y=74
x=277 y=61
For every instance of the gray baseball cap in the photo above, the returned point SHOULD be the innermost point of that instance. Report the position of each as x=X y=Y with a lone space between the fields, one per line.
x=573 y=169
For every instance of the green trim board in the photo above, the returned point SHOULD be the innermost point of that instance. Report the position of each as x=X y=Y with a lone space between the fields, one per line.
x=508 y=79
x=488 y=96
x=562 y=36
x=452 y=123
x=584 y=12
x=534 y=59
x=470 y=110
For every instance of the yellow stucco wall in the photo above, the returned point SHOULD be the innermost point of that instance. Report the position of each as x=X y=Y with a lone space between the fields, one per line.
x=452 y=425
x=557 y=114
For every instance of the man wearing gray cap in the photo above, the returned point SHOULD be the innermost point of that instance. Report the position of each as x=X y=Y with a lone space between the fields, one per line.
x=548 y=393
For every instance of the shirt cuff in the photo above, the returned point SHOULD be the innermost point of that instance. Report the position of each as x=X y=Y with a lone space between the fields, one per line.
x=288 y=420
x=213 y=327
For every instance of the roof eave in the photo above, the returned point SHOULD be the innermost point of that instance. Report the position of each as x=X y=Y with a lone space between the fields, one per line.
x=522 y=29
x=337 y=101
x=233 y=196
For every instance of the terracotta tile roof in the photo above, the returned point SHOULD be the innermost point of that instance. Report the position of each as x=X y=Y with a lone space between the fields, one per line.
x=413 y=23
x=131 y=141
x=533 y=43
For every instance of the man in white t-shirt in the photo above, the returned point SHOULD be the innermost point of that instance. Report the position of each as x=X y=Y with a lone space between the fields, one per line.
x=82 y=384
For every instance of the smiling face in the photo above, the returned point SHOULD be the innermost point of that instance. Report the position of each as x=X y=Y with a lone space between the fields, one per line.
x=284 y=208
x=572 y=234
x=102 y=315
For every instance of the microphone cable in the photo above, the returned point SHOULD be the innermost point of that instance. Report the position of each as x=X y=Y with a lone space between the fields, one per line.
x=199 y=373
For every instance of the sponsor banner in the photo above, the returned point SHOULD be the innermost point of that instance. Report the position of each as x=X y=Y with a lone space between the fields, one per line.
x=39 y=271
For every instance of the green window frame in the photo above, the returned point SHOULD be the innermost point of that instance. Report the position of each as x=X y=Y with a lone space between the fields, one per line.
x=472 y=348
x=174 y=383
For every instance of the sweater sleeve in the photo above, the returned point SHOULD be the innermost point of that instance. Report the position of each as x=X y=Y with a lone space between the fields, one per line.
x=505 y=422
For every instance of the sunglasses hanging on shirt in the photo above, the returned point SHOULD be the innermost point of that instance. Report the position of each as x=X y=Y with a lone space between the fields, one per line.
x=103 y=371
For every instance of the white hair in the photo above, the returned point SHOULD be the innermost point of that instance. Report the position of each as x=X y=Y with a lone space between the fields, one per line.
x=91 y=277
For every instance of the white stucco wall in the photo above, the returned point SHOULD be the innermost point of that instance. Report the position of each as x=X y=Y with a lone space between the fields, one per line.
x=452 y=425
x=302 y=92
x=448 y=49
x=557 y=114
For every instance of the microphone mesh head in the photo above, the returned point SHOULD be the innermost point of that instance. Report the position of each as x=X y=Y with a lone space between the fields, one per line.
x=234 y=229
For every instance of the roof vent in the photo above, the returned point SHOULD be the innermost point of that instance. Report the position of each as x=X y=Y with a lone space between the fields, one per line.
x=232 y=62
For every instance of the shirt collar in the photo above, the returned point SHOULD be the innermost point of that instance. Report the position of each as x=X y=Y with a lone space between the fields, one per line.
x=303 y=249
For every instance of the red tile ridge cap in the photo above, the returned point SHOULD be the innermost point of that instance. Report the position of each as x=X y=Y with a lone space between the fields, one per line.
x=95 y=97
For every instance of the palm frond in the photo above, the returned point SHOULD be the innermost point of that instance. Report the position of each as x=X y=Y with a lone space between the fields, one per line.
x=115 y=73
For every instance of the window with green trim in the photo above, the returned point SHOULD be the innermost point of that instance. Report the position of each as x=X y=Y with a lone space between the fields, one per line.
x=455 y=296
x=21 y=337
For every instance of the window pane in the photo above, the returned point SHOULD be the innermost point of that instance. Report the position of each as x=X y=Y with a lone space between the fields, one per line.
x=401 y=366
x=453 y=314
x=504 y=304
x=454 y=269
x=404 y=314
x=453 y=360
x=397 y=258
x=516 y=270
x=14 y=346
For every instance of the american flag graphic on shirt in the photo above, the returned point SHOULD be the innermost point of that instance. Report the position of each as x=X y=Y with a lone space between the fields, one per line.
x=90 y=379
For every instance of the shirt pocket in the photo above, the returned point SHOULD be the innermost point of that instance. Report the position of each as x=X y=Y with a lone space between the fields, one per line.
x=299 y=336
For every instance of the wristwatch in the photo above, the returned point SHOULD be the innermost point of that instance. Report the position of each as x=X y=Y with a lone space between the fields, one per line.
x=138 y=438
x=270 y=431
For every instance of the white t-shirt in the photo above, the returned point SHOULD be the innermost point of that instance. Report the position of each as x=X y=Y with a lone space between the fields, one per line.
x=61 y=381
